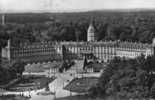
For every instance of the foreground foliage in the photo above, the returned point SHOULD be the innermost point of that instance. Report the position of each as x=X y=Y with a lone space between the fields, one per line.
x=130 y=78
x=11 y=70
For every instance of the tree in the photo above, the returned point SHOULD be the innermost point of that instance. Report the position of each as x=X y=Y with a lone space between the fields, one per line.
x=127 y=78
x=77 y=34
x=85 y=63
x=17 y=67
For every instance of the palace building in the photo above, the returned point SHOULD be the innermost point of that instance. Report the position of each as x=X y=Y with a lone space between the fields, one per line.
x=92 y=49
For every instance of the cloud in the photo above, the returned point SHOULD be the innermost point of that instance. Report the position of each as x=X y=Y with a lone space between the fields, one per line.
x=24 y=5
x=63 y=5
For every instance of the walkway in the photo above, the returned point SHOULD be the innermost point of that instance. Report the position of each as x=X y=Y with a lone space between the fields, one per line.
x=57 y=85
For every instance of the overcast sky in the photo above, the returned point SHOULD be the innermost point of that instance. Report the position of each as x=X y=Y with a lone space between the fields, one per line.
x=71 y=5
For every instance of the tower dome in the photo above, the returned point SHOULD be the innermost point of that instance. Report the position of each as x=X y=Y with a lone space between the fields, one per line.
x=91 y=33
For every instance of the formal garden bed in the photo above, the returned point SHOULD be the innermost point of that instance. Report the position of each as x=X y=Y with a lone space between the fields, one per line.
x=81 y=85
x=31 y=82
x=14 y=97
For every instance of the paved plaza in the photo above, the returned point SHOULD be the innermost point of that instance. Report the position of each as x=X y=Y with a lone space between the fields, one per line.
x=62 y=79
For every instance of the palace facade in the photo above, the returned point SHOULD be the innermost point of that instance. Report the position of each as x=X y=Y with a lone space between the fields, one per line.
x=92 y=49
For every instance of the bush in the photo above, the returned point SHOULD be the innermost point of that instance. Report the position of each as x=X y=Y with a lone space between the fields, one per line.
x=127 y=78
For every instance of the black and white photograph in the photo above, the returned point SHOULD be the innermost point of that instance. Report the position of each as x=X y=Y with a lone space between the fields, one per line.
x=77 y=49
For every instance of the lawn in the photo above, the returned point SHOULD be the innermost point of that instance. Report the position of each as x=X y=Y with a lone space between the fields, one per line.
x=81 y=85
x=32 y=82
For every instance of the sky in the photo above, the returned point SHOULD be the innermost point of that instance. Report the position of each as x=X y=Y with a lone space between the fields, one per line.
x=71 y=5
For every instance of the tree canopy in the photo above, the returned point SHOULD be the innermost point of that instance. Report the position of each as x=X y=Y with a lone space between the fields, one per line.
x=130 y=78
x=124 y=26
x=11 y=70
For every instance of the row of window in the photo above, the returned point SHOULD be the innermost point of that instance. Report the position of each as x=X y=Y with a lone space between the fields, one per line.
x=33 y=50
x=33 y=54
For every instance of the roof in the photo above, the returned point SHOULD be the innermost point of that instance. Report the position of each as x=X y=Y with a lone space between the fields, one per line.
x=120 y=44
x=91 y=29
x=133 y=45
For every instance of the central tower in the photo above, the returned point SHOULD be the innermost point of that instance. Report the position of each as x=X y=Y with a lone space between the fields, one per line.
x=91 y=33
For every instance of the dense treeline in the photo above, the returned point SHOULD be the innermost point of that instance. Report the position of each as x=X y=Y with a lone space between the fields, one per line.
x=126 y=26
x=10 y=70
x=128 y=78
